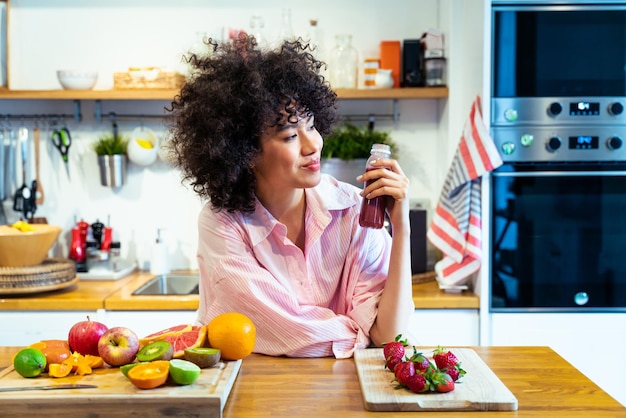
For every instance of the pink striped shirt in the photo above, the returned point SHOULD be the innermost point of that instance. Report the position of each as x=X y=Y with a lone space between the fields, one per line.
x=314 y=304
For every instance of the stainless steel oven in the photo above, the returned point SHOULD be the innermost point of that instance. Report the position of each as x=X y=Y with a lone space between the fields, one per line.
x=546 y=53
x=558 y=203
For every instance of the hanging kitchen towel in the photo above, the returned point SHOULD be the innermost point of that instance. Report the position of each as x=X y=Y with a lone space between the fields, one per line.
x=456 y=225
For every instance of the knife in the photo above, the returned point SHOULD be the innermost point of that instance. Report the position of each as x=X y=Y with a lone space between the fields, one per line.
x=49 y=387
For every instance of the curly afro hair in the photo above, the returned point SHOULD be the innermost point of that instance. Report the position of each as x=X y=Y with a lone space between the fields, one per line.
x=236 y=91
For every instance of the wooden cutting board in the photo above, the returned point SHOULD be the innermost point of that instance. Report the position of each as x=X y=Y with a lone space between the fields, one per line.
x=116 y=396
x=479 y=390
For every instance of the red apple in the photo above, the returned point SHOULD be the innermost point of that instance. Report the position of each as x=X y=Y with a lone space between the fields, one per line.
x=118 y=346
x=84 y=336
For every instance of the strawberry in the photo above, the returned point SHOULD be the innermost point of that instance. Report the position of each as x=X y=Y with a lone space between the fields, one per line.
x=444 y=358
x=441 y=382
x=394 y=352
x=455 y=372
x=447 y=362
x=422 y=364
x=417 y=383
x=403 y=371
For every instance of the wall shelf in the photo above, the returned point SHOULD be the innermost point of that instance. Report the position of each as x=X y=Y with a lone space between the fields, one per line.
x=167 y=94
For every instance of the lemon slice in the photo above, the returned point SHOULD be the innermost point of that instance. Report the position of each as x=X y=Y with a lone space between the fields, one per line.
x=144 y=143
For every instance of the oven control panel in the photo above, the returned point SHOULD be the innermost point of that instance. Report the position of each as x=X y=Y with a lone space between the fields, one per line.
x=560 y=144
x=558 y=111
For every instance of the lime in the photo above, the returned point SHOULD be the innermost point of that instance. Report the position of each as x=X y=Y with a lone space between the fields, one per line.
x=183 y=372
x=29 y=362
x=203 y=357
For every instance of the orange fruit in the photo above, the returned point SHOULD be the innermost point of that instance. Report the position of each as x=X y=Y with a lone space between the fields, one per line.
x=95 y=362
x=149 y=375
x=233 y=333
x=80 y=365
x=180 y=337
x=55 y=350
x=59 y=370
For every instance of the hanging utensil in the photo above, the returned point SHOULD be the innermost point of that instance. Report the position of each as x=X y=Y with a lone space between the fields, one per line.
x=39 y=194
x=10 y=180
x=62 y=141
x=3 y=165
x=23 y=193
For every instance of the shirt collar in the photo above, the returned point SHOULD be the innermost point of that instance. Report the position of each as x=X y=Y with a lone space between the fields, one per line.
x=329 y=195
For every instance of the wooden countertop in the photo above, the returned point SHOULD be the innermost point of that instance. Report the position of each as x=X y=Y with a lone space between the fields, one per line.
x=116 y=295
x=544 y=384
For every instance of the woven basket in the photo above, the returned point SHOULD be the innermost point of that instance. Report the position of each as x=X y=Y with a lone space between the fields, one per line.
x=165 y=80
x=51 y=274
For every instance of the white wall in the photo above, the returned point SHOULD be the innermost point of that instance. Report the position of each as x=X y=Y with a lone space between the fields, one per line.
x=113 y=35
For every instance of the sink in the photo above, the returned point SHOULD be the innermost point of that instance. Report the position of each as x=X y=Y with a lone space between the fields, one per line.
x=170 y=284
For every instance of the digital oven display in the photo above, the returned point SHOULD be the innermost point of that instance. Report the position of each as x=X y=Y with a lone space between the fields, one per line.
x=584 y=108
x=583 y=142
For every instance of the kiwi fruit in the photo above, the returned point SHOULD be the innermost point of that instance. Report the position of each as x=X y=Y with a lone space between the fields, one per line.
x=203 y=357
x=157 y=350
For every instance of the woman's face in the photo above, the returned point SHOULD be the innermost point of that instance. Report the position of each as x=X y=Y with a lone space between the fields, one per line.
x=290 y=156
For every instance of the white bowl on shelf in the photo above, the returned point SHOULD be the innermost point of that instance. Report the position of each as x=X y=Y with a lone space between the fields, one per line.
x=77 y=79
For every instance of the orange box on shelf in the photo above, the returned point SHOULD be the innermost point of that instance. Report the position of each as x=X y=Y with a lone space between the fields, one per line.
x=390 y=53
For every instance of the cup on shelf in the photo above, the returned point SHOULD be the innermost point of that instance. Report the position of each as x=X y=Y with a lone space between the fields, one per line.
x=143 y=146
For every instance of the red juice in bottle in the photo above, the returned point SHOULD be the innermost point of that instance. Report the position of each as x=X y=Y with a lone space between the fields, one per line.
x=373 y=210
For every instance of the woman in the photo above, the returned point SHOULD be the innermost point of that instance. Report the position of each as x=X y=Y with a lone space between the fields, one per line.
x=279 y=241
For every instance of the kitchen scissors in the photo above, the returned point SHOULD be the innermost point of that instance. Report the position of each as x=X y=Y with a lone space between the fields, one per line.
x=62 y=140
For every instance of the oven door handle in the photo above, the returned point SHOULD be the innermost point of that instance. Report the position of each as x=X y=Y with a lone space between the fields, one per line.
x=613 y=173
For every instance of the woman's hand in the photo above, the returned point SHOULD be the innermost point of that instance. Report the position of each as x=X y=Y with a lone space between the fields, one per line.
x=389 y=180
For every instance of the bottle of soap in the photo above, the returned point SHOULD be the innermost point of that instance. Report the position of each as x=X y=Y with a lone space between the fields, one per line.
x=159 y=263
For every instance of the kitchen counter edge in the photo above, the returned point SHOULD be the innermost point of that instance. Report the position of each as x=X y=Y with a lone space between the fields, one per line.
x=116 y=295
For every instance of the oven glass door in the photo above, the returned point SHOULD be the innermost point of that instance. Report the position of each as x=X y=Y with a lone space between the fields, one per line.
x=558 y=239
x=556 y=51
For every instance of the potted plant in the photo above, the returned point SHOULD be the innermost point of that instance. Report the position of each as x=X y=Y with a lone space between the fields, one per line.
x=347 y=148
x=112 y=159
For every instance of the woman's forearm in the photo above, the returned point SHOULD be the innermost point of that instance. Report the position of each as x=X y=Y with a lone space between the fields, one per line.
x=396 y=303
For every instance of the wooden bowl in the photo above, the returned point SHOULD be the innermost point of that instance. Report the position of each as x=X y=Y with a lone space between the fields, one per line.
x=20 y=249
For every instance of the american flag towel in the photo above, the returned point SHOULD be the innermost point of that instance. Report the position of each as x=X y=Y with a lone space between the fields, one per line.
x=456 y=224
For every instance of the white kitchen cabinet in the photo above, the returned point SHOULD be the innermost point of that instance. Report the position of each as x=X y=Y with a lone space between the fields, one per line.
x=594 y=343
x=19 y=328
x=24 y=328
x=147 y=322
x=445 y=327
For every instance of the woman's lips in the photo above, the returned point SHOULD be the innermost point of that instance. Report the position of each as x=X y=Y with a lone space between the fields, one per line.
x=313 y=165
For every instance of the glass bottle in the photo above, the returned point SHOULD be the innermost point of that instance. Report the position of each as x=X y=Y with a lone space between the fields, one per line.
x=256 y=29
x=344 y=63
x=286 y=29
x=373 y=210
x=312 y=38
